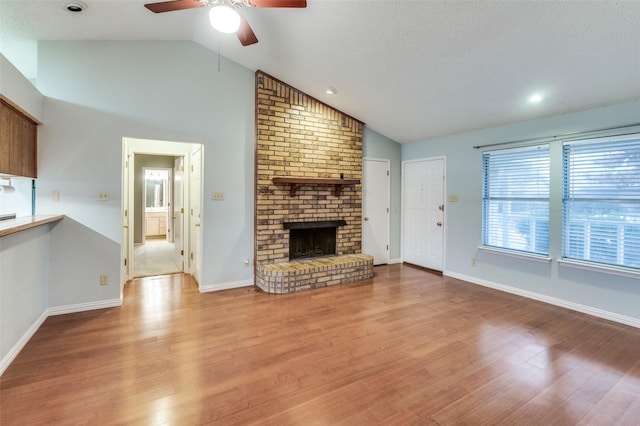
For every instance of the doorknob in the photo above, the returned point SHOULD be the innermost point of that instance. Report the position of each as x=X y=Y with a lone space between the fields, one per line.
x=125 y=226
x=366 y=218
x=439 y=223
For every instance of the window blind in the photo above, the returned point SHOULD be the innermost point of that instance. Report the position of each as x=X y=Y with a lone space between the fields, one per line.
x=601 y=201
x=515 y=213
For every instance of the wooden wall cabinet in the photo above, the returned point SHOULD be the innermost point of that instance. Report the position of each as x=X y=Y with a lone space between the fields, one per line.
x=18 y=141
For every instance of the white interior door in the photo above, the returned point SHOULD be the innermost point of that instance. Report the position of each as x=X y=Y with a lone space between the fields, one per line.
x=195 y=213
x=375 y=209
x=169 y=217
x=127 y=232
x=177 y=212
x=423 y=213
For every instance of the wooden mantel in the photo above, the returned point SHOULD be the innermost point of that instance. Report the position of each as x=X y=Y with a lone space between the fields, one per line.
x=296 y=182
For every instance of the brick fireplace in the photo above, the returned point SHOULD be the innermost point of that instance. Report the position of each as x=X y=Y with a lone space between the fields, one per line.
x=308 y=172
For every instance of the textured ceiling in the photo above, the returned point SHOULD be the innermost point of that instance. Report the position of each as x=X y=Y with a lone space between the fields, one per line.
x=411 y=70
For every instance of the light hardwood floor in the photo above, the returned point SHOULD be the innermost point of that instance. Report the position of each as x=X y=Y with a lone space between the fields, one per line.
x=407 y=347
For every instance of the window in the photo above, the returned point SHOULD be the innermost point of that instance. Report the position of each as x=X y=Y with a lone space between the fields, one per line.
x=601 y=201
x=515 y=201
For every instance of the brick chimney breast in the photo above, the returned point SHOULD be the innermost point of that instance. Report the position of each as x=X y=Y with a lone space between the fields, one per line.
x=299 y=136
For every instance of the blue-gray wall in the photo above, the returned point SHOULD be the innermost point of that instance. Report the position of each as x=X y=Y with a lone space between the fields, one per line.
x=99 y=92
x=618 y=297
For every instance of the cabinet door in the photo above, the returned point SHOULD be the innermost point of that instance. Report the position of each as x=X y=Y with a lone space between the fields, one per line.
x=28 y=148
x=162 y=225
x=153 y=226
x=5 y=137
x=18 y=142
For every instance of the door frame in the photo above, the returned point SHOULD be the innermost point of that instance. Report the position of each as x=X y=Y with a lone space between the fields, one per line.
x=130 y=147
x=388 y=201
x=195 y=224
x=169 y=197
x=177 y=209
x=444 y=201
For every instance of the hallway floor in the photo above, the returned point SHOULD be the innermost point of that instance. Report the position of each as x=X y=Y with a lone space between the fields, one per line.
x=154 y=257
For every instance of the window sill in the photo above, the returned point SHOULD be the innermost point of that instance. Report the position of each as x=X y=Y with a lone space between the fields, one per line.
x=520 y=255
x=615 y=270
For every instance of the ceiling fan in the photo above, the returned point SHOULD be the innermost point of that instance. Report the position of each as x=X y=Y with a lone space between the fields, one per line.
x=223 y=14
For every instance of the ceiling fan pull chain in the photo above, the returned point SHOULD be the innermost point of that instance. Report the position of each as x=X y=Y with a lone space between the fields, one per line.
x=219 y=47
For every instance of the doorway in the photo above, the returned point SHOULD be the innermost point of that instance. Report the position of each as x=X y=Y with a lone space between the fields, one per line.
x=157 y=202
x=154 y=249
x=423 y=213
x=156 y=194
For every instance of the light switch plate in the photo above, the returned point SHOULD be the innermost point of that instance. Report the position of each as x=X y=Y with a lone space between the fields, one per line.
x=103 y=196
x=217 y=196
x=55 y=196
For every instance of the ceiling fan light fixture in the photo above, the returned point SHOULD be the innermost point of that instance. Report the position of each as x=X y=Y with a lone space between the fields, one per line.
x=224 y=19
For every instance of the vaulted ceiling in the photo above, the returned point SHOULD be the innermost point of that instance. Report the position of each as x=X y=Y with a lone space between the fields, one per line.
x=411 y=70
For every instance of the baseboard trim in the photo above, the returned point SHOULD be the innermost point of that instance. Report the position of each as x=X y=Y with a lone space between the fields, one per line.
x=15 y=350
x=82 y=307
x=393 y=261
x=589 y=310
x=225 y=286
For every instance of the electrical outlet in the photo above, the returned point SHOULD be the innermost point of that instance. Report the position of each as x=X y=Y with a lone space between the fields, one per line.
x=247 y=263
x=103 y=196
x=104 y=279
x=473 y=261
x=217 y=196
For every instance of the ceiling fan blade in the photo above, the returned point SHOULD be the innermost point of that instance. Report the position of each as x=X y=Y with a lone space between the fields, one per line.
x=278 y=3
x=245 y=33
x=170 y=6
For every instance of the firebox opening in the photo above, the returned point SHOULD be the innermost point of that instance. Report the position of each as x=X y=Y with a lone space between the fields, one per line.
x=312 y=239
x=311 y=242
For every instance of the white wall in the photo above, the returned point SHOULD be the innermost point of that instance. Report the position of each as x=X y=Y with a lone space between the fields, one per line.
x=605 y=294
x=15 y=87
x=99 y=92
x=77 y=257
x=24 y=256
x=375 y=145
x=24 y=261
x=18 y=201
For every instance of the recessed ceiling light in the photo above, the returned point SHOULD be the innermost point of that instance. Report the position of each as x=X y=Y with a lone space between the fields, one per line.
x=534 y=99
x=74 y=6
x=330 y=90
